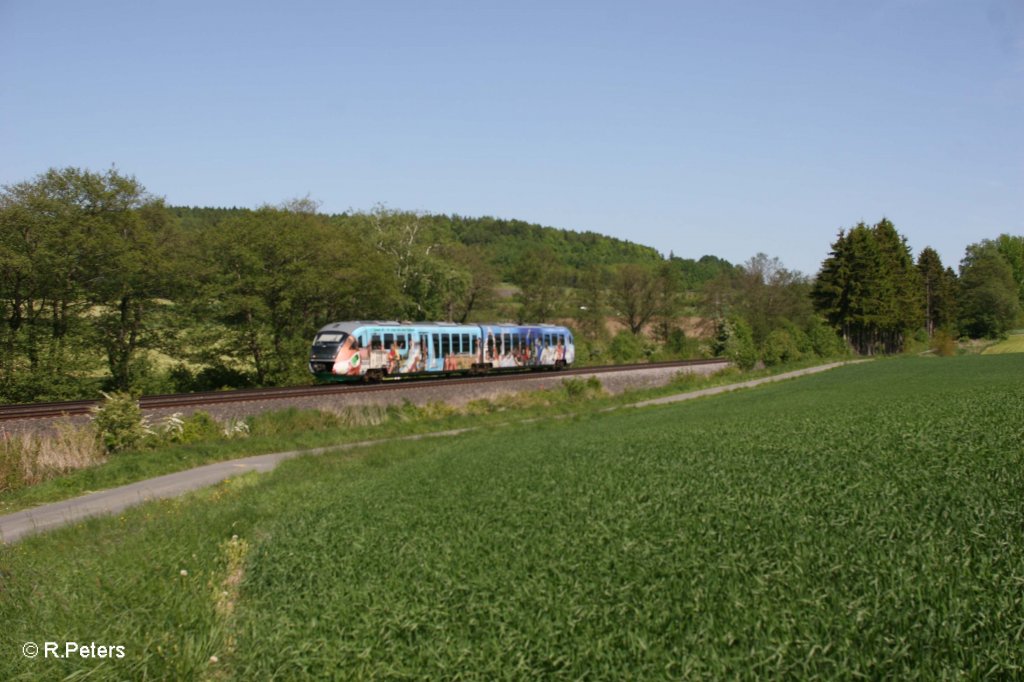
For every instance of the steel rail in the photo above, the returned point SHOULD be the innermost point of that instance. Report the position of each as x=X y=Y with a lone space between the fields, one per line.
x=155 y=402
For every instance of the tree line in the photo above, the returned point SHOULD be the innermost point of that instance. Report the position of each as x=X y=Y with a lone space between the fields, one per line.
x=876 y=295
x=104 y=286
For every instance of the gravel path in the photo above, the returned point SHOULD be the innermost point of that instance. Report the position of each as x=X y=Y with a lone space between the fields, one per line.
x=48 y=516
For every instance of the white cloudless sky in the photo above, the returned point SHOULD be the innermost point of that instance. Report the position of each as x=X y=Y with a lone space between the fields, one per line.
x=725 y=128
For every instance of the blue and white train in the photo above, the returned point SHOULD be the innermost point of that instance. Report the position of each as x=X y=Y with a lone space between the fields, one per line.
x=370 y=351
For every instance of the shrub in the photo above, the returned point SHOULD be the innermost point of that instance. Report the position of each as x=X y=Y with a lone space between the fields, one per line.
x=825 y=342
x=198 y=426
x=582 y=389
x=119 y=422
x=739 y=344
x=943 y=344
x=626 y=347
x=780 y=347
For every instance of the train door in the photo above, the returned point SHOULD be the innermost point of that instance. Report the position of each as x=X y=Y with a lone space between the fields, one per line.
x=434 y=357
x=421 y=361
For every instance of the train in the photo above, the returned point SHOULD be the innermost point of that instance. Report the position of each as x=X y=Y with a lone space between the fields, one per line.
x=371 y=351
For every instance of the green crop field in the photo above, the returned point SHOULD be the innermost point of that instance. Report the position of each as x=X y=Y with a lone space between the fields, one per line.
x=865 y=522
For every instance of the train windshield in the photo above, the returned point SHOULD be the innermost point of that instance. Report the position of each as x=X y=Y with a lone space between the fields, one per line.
x=329 y=337
x=325 y=345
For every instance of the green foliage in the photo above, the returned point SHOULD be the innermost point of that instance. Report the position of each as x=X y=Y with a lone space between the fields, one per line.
x=119 y=423
x=943 y=344
x=780 y=347
x=824 y=341
x=989 y=303
x=79 y=266
x=197 y=427
x=1011 y=248
x=740 y=346
x=626 y=347
x=762 y=292
x=938 y=289
x=735 y=340
x=869 y=289
x=577 y=390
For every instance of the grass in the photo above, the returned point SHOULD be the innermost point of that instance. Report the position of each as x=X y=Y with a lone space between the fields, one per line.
x=297 y=429
x=1013 y=344
x=866 y=522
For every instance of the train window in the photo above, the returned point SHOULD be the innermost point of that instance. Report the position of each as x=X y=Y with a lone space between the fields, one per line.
x=517 y=345
x=389 y=340
x=400 y=340
x=490 y=346
x=466 y=348
x=561 y=339
x=547 y=339
x=446 y=345
x=506 y=343
x=437 y=344
x=455 y=344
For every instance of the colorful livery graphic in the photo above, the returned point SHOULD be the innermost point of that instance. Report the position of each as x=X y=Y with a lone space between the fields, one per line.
x=373 y=350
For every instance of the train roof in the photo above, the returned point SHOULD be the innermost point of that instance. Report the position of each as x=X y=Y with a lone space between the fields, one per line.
x=350 y=326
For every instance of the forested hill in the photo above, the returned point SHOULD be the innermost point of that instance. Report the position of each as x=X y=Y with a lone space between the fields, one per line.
x=513 y=249
x=506 y=241
x=102 y=286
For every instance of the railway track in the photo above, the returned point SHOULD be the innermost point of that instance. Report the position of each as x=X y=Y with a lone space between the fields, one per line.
x=157 y=402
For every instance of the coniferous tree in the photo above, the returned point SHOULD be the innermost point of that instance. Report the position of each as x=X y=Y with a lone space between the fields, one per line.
x=938 y=291
x=867 y=288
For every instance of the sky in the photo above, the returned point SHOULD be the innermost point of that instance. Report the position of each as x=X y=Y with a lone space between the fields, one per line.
x=721 y=127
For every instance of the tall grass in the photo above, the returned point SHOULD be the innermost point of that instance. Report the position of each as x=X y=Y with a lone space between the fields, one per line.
x=28 y=459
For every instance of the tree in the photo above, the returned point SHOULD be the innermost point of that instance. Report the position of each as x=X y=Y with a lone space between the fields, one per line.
x=765 y=294
x=1011 y=248
x=75 y=240
x=540 y=278
x=591 y=302
x=989 y=302
x=272 y=276
x=868 y=288
x=471 y=281
x=938 y=291
x=636 y=294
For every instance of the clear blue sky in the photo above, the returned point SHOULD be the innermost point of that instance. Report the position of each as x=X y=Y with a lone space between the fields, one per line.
x=725 y=127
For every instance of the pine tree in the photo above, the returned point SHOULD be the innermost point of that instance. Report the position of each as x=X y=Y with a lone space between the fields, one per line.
x=868 y=288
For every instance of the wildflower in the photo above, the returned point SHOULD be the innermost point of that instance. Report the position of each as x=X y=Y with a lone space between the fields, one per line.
x=184 y=573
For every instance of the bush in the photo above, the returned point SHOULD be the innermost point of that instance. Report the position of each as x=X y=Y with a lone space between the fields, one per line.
x=780 y=347
x=736 y=341
x=198 y=426
x=825 y=342
x=582 y=389
x=119 y=423
x=943 y=344
x=626 y=347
